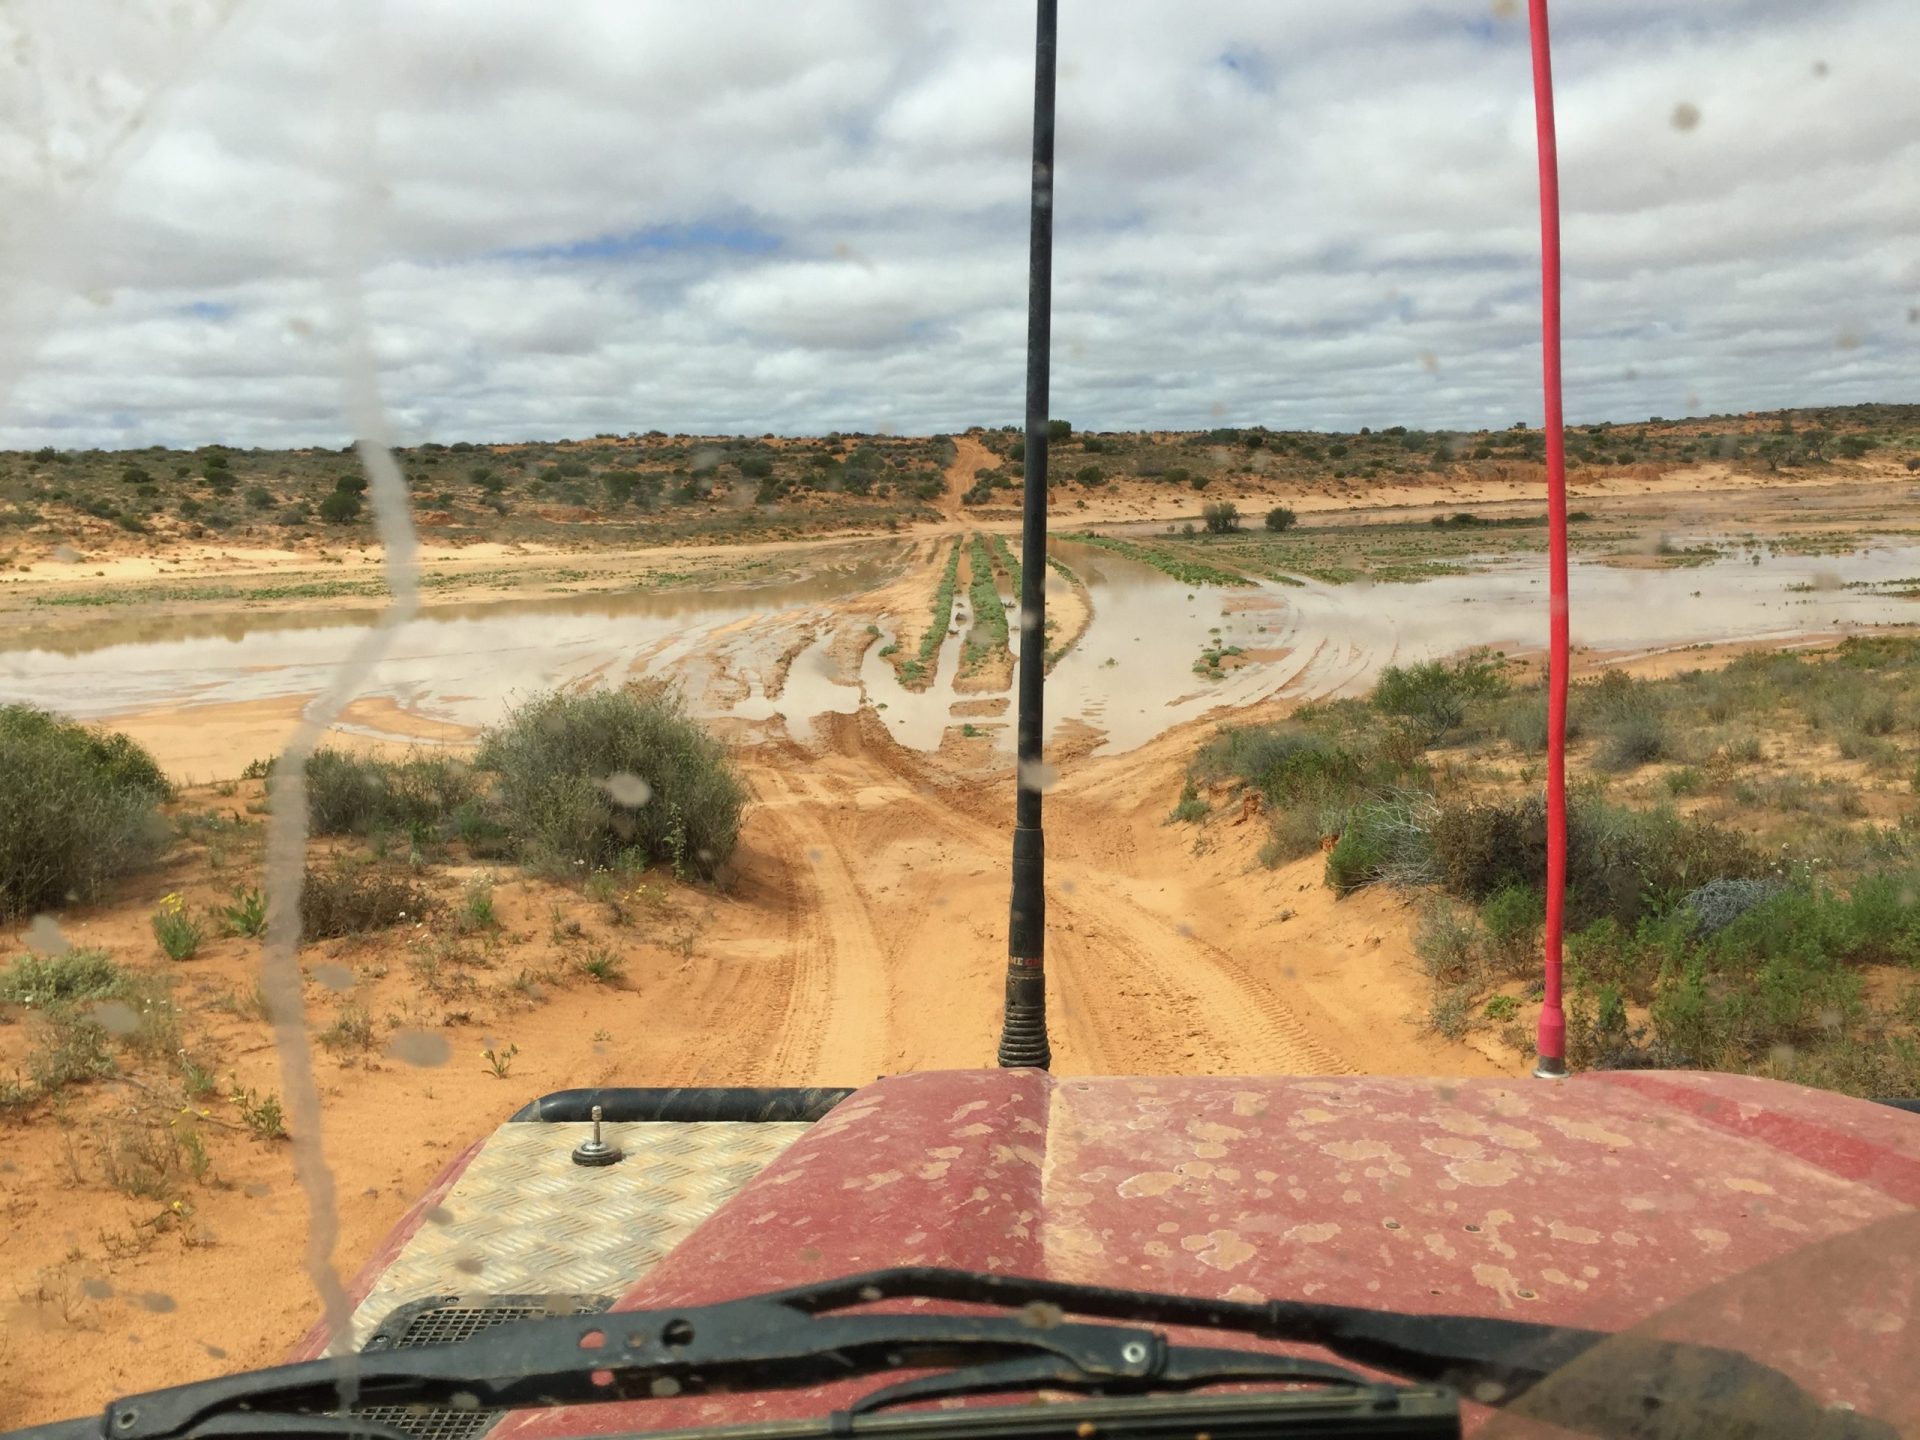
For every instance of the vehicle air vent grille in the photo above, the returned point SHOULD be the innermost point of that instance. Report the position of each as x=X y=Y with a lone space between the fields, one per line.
x=443 y=1320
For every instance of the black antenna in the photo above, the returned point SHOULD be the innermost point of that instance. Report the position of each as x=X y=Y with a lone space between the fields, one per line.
x=1023 y=1034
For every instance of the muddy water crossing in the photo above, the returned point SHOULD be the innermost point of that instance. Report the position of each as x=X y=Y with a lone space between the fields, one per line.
x=792 y=653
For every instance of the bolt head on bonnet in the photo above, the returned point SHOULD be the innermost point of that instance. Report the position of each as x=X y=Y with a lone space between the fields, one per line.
x=594 y=1151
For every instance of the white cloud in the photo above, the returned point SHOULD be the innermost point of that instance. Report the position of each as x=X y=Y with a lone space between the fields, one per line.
x=759 y=216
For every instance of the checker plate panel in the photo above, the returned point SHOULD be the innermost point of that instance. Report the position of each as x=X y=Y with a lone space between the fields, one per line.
x=524 y=1219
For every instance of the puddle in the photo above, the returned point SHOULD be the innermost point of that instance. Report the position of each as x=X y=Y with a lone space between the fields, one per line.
x=1131 y=675
x=458 y=663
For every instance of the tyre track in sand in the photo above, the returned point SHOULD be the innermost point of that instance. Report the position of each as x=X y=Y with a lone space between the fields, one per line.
x=1134 y=992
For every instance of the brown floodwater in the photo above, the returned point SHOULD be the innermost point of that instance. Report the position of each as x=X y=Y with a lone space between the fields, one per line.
x=1131 y=676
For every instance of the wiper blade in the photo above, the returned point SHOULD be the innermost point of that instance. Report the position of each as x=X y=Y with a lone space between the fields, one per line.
x=814 y=1334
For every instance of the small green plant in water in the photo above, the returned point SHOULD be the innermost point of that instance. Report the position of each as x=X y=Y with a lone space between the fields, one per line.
x=178 y=932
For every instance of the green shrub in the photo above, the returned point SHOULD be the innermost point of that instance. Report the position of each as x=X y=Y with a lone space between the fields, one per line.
x=1382 y=840
x=1436 y=694
x=1449 y=943
x=1190 y=808
x=1281 y=517
x=41 y=980
x=1523 y=724
x=1222 y=517
x=341 y=507
x=77 y=808
x=1632 y=740
x=1286 y=763
x=1512 y=917
x=1620 y=862
x=351 y=794
x=585 y=779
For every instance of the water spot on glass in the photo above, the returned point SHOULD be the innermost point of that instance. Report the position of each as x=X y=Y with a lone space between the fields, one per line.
x=664 y=1387
x=44 y=937
x=419 y=1047
x=65 y=554
x=1506 y=9
x=470 y=1264
x=1067 y=887
x=1217 y=409
x=1038 y=775
x=94 y=1288
x=1686 y=116
x=158 y=1301
x=213 y=1350
x=334 y=977
x=463 y=1400
x=626 y=788
x=300 y=327
x=439 y=1215
x=1848 y=340
x=256 y=1189
x=116 y=1017
x=1430 y=362
x=1820 y=70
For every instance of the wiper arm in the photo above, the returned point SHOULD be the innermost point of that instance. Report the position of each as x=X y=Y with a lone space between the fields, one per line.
x=803 y=1337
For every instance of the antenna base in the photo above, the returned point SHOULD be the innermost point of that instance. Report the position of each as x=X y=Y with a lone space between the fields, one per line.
x=1023 y=1039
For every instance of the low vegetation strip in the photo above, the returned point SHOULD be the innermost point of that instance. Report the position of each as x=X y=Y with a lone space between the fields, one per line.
x=1743 y=859
x=1007 y=558
x=1182 y=568
x=987 y=638
x=917 y=672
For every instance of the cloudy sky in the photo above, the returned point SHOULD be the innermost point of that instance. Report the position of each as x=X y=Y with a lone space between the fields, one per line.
x=553 y=219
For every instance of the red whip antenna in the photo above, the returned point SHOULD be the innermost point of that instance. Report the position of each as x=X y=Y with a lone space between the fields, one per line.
x=1551 y=1042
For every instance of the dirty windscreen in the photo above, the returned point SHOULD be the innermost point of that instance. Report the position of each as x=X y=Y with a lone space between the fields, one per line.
x=511 y=526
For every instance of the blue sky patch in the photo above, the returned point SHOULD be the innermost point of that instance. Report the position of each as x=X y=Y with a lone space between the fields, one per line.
x=654 y=240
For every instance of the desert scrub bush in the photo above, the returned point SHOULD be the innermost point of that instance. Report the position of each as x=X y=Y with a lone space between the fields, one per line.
x=1281 y=517
x=177 y=931
x=1288 y=764
x=1620 y=862
x=1512 y=918
x=355 y=899
x=1627 y=717
x=38 y=981
x=352 y=1029
x=1436 y=695
x=1718 y=903
x=77 y=808
x=1190 y=808
x=1222 y=517
x=1383 y=840
x=476 y=906
x=583 y=780
x=360 y=794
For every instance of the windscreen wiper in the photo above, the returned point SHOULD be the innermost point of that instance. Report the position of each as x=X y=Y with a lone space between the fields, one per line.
x=817 y=1334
